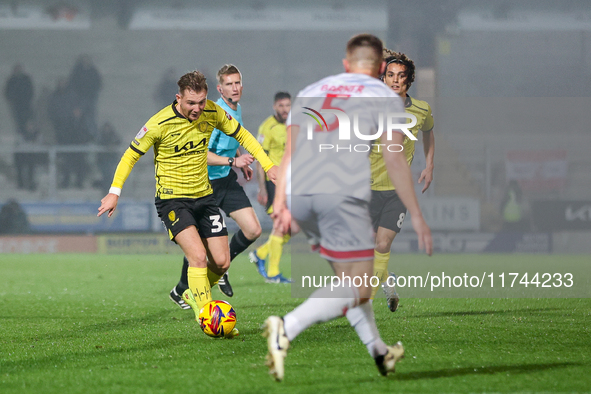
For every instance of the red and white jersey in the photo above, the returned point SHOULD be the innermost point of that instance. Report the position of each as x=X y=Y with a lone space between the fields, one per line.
x=340 y=118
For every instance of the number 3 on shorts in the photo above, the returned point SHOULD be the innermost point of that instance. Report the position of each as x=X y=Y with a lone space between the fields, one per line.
x=400 y=220
x=217 y=221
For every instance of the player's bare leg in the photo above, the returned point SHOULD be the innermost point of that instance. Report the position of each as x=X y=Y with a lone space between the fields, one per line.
x=218 y=263
x=326 y=304
x=218 y=255
x=384 y=239
x=362 y=319
x=199 y=292
x=280 y=237
x=277 y=239
x=250 y=230
x=248 y=222
x=271 y=251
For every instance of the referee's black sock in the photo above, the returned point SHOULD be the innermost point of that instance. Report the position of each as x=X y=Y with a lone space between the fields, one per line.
x=184 y=282
x=238 y=244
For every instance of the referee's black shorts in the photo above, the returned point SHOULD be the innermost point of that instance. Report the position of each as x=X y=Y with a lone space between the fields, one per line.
x=228 y=193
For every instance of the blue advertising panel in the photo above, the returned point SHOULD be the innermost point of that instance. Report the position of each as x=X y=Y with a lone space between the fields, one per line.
x=81 y=217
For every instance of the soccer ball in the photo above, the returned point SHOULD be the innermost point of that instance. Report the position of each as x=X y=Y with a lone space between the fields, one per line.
x=217 y=318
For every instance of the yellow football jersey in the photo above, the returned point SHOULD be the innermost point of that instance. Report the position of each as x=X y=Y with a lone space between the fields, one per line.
x=272 y=136
x=180 y=150
x=379 y=176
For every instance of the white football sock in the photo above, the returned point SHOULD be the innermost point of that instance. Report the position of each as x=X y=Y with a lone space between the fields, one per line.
x=319 y=308
x=362 y=319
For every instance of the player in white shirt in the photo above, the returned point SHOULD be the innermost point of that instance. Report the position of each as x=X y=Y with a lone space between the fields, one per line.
x=329 y=193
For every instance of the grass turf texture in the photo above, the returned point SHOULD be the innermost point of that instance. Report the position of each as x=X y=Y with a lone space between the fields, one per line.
x=103 y=323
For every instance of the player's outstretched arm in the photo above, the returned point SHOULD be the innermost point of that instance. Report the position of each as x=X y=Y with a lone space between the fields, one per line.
x=429 y=149
x=253 y=147
x=108 y=204
x=399 y=173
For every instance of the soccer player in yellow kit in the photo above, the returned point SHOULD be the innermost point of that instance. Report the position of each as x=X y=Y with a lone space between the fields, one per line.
x=272 y=136
x=386 y=209
x=180 y=134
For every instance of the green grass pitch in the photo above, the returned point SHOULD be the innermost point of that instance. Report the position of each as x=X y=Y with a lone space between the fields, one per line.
x=104 y=323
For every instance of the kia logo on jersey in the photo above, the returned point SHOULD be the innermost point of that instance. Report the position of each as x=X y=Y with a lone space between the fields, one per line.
x=188 y=146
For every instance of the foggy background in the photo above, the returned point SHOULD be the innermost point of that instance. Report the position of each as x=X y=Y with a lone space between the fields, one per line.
x=508 y=82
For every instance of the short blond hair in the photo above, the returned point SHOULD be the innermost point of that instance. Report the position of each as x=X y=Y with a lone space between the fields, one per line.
x=227 y=69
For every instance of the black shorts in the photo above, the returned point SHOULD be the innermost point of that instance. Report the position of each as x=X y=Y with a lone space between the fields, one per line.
x=270 y=186
x=386 y=210
x=179 y=213
x=228 y=193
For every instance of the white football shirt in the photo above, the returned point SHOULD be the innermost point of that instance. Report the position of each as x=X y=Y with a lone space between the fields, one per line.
x=330 y=156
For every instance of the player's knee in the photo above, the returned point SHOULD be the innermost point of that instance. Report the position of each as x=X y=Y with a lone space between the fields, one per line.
x=383 y=245
x=364 y=294
x=198 y=260
x=225 y=264
x=222 y=261
x=253 y=233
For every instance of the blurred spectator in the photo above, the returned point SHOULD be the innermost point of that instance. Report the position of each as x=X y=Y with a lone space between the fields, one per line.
x=60 y=104
x=71 y=128
x=62 y=10
x=26 y=163
x=19 y=94
x=513 y=209
x=43 y=117
x=107 y=161
x=13 y=219
x=166 y=89
x=86 y=82
x=74 y=164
